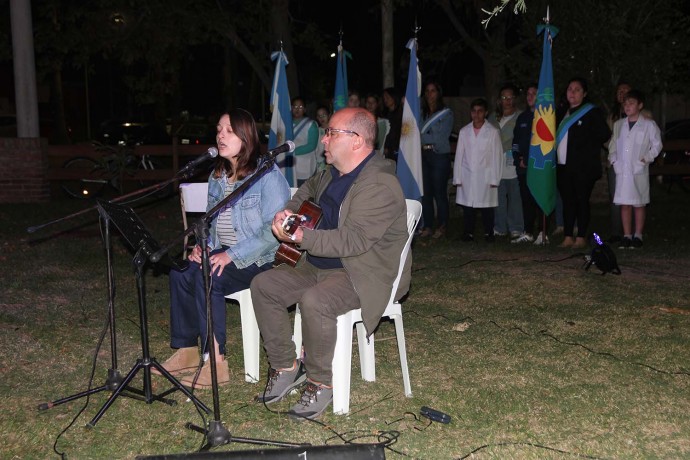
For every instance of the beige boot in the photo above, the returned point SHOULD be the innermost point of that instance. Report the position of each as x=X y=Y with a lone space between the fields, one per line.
x=580 y=243
x=204 y=381
x=183 y=361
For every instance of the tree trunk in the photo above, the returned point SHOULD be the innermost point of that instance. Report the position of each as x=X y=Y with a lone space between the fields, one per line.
x=387 y=51
x=280 y=22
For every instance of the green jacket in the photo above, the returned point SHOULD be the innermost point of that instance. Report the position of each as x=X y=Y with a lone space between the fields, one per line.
x=371 y=233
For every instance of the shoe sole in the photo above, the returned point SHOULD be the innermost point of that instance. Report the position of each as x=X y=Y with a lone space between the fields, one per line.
x=295 y=417
x=300 y=380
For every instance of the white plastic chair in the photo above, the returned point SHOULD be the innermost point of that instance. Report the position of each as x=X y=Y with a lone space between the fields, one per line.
x=342 y=359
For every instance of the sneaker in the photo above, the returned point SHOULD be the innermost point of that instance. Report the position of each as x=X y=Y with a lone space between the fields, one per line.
x=467 y=237
x=497 y=233
x=313 y=402
x=280 y=383
x=524 y=238
x=184 y=361
x=516 y=234
x=489 y=238
x=625 y=243
x=636 y=243
x=204 y=381
x=541 y=239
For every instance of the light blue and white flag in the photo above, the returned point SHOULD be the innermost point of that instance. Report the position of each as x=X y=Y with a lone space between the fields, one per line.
x=340 y=94
x=410 y=154
x=281 y=120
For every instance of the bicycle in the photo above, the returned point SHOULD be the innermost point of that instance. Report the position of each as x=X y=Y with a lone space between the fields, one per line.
x=106 y=173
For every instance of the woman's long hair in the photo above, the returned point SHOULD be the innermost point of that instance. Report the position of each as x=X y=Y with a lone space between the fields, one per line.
x=244 y=127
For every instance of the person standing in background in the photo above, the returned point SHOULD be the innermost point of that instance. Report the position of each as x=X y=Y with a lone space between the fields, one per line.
x=508 y=215
x=306 y=139
x=617 y=112
x=522 y=138
x=437 y=124
x=477 y=170
x=581 y=133
x=323 y=114
x=635 y=143
x=393 y=111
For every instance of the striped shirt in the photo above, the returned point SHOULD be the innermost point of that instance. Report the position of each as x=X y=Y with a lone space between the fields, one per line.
x=224 y=227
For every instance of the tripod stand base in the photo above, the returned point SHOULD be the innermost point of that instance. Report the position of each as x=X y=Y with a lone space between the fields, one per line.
x=112 y=383
x=218 y=435
x=146 y=394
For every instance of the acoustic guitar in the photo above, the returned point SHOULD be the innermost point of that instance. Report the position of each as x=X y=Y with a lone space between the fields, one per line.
x=308 y=216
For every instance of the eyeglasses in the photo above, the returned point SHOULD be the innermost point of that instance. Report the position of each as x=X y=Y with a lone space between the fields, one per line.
x=330 y=131
x=504 y=98
x=297 y=106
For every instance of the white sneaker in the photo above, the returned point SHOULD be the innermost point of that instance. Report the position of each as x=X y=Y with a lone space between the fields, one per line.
x=541 y=239
x=516 y=234
x=497 y=233
x=524 y=238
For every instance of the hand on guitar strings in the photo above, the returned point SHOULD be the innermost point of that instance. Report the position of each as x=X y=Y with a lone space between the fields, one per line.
x=282 y=232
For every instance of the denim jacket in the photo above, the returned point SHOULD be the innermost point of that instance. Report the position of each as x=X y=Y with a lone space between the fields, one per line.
x=252 y=215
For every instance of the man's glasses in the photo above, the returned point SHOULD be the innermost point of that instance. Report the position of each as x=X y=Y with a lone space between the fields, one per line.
x=330 y=131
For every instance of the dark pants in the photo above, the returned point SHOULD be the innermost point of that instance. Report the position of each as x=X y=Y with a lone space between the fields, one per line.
x=530 y=209
x=188 y=302
x=576 y=190
x=435 y=174
x=469 y=219
x=322 y=295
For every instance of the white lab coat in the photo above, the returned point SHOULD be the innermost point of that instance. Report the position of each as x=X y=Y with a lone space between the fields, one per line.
x=630 y=152
x=478 y=165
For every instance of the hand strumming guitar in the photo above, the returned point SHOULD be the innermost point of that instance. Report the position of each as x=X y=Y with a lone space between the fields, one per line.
x=281 y=233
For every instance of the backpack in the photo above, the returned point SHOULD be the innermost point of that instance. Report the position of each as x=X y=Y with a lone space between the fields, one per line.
x=603 y=257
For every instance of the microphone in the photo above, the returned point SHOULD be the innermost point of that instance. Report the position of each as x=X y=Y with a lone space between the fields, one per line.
x=289 y=146
x=212 y=152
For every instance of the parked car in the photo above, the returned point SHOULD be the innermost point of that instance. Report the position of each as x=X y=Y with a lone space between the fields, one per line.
x=196 y=133
x=130 y=133
x=676 y=131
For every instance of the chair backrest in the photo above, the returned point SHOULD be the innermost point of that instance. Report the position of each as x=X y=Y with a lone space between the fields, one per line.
x=414 y=212
x=193 y=198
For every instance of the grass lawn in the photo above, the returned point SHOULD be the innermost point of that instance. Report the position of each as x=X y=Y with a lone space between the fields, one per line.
x=531 y=355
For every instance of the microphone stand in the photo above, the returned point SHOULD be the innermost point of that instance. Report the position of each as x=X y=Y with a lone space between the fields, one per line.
x=114 y=379
x=216 y=433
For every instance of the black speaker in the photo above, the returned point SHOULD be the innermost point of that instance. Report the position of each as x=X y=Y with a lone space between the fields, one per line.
x=340 y=452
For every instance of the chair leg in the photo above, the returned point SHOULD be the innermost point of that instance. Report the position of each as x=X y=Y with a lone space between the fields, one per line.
x=297 y=333
x=402 y=350
x=367 y=358
x=250 y=337
x=342 y=365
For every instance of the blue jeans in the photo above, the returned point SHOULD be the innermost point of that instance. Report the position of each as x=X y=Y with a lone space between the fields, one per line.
x=435 y=173
x=188 y=302
x=508 y=214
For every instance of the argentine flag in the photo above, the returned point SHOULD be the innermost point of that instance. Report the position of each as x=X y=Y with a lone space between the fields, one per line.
x=410 y=155
x=340 y=95
x=281 y=120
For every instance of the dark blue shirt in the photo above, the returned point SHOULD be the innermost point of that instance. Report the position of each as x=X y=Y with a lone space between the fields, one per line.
x=330 y=202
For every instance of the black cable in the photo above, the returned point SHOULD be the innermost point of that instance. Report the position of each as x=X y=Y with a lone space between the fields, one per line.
x=94 y=360
x=501 y=444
